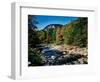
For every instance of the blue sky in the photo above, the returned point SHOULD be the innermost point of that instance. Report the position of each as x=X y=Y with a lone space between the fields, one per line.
x=43 y=21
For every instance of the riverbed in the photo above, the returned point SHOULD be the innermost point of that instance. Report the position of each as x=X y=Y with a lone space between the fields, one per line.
x=54 y=56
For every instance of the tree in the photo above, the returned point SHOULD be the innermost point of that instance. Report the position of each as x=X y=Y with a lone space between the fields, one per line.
x=81 y=36
x=32 y=22
x=33 y=39
x=33 y=56
x=54 y=35
x=59 y=36
x=68 y=34
x=75 y=33
x=42 y=36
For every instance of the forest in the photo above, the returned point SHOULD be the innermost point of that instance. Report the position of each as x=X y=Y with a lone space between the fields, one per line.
x=71 y=40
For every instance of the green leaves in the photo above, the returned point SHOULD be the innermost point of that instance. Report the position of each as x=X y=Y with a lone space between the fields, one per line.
x=34 y=57
x=75 y=33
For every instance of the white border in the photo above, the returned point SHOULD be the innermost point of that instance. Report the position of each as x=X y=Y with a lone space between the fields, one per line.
x=19 y=41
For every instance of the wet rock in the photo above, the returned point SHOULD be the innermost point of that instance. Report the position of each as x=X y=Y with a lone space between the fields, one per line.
x=75 y=62
x=66 y=55
x=80 y=60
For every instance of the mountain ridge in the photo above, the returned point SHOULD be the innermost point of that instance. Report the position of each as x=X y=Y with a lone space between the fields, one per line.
x=52 y=26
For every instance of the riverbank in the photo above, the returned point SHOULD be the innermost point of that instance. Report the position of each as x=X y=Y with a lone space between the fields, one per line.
x=71 y=54
x=70 y=49
x=52 y=54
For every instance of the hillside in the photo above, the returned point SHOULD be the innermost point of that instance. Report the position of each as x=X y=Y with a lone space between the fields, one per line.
x=58 y=44
x=74 y=33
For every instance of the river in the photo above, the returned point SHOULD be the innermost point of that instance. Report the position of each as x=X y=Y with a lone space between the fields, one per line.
x=51 y=56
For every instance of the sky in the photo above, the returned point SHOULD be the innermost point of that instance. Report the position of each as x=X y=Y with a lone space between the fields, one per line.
x=43 y=21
